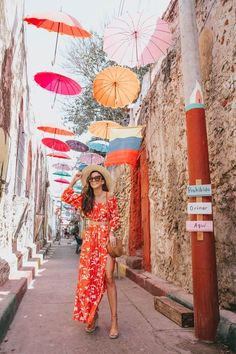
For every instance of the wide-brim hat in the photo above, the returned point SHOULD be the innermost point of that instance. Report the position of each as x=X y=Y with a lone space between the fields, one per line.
x=89 y=169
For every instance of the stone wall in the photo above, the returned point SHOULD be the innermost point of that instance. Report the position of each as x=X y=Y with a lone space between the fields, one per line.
x=162 y=112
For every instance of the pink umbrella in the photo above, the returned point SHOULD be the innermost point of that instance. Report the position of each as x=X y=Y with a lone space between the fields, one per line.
x=92 y=159
x=57 y=83
x=136 y=40
x=55 y=144
x=59 y=155
x=62 y=166
x=61 y=181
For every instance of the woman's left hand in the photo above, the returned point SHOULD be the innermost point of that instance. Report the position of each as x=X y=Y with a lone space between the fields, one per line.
x=112 y=239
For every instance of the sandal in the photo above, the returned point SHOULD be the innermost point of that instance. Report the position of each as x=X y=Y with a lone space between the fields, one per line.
x=115 y=334
x=92 y=326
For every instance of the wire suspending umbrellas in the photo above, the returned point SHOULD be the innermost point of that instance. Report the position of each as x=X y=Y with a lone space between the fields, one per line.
x=57 y=83
x=58 y=22
x=116 y=87
x=136 y=39
x=102 y=128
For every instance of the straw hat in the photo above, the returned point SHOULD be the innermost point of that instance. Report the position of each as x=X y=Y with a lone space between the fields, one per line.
x=106 y=174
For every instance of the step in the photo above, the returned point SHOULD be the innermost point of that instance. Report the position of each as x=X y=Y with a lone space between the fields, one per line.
x=176 y=312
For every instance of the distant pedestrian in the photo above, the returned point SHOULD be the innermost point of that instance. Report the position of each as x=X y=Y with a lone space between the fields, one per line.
x=96 y=265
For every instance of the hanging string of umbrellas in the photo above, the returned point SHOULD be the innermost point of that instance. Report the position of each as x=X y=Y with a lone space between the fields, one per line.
x=133 y=40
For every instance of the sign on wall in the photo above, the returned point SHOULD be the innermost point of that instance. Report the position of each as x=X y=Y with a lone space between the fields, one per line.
x=199 y=190
x=199 y=208
x=199 y=226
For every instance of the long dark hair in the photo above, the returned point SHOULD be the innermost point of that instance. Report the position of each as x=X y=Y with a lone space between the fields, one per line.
x=88 y=194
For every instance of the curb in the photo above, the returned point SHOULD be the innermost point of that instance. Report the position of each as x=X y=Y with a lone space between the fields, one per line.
x=13 y=290
x=226 y=332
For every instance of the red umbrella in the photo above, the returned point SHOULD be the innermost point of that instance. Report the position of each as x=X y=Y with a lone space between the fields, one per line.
x=58 y=22
x=77 y=145
x=55 y=130
x=59 y=155
x=61 y=181
x=55 y=144
x=57 y=83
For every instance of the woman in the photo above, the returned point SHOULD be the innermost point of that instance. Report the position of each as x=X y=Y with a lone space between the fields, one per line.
x=96 y=265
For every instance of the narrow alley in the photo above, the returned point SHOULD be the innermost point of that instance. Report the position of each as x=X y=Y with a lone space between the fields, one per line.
x=43 y=323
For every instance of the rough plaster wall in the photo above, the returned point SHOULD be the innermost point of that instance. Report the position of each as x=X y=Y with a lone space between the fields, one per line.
x=162 y=111
x=121 y=175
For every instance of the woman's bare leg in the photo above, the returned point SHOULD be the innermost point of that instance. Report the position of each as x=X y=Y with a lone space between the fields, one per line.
x=112 y=294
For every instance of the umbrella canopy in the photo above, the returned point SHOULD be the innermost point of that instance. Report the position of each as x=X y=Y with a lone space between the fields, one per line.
x=55 y=144
x=58 y=22
x=81 y=166
x=62 y=173
x=137 y=39
x=116 y=87
x=59 y=155
x=99 y=145
x=90 y=158
x=77 y=145
x=102 y=128
x=61 y=181
x=57 y=83
x=62 y=166
x=55 y=130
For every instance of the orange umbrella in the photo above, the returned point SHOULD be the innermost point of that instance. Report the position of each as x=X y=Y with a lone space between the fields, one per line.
x=116 y=87
x=55 y=130
x=102 y=128
x=58 y=22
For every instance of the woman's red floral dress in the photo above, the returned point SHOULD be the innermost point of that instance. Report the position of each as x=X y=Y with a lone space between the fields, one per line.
x=91 y=280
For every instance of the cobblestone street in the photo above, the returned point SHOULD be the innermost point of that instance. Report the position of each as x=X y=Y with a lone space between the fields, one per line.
x=43 y=323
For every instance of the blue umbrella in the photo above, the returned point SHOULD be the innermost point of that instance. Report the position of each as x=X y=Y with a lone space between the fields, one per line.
x=99 y=145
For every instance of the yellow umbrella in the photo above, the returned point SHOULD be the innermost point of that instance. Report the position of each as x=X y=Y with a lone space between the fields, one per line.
x=116 y=87
x=102 y=128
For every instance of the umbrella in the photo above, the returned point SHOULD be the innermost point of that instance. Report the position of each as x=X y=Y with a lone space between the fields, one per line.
x=77 y=145
x=102 y=128
x=81 y=166
x=55 y=144
x=99 y=145
x=62 y=173
x=61 y=181
x=58 y=22
x=116 y=87
x=62 y=166
x=136 y=40
x=57 y=83
x=59 y=155
x=55 y=130
x=91 y=158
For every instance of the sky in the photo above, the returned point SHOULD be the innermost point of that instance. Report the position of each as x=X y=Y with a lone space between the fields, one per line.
x=40 y=44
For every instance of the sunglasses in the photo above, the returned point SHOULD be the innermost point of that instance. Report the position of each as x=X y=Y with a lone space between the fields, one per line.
x=95 y=178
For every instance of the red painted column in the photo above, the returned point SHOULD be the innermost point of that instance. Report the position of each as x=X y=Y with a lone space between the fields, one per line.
x=206 y=314
x=145 y=210
x=205 y=292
